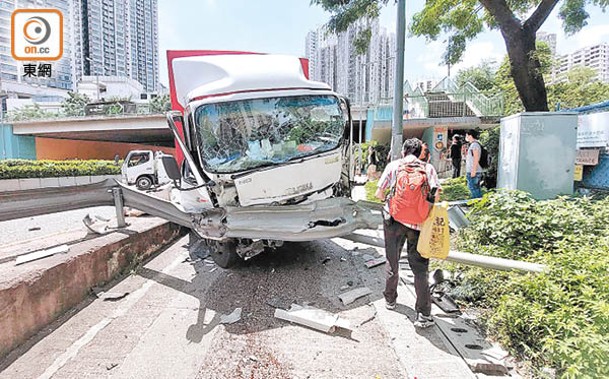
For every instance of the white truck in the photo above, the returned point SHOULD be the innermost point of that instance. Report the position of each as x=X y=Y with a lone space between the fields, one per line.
x=265 y=156
x=144 y=168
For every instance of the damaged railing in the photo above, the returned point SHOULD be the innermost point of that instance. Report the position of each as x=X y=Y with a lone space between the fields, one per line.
x=321 y=219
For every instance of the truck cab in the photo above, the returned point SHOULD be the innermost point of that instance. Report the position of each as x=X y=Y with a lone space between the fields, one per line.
x=265 y=147
x=144 y=169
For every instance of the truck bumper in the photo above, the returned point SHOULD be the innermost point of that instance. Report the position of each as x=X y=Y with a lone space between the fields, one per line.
x=320 y=219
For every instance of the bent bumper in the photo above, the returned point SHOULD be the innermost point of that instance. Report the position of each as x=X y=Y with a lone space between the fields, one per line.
x=321 y=219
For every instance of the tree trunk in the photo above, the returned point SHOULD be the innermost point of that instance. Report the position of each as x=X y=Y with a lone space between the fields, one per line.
x=526 y=69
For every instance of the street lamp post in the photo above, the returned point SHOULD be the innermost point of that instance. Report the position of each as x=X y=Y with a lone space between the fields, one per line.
x=397 y=127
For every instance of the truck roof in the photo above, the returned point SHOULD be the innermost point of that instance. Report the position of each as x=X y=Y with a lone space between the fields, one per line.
x=204 y=76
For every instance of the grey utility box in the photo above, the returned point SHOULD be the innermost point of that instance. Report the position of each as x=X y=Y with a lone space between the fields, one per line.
x=537 y=153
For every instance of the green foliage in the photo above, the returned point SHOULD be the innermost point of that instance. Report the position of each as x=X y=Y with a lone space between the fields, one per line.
x=455 y=189
x=160 y=104
x=580 y=88
x=371 y=188
x=21 y=169
x=481 y=76
x=74 y=105
x=559 y=318
x=29 y=112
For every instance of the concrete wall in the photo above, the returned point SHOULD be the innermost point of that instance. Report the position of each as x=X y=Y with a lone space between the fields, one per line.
x=59 y=149
x=15 y=147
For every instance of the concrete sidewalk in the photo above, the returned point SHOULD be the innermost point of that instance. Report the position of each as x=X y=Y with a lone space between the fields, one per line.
x=34 y=294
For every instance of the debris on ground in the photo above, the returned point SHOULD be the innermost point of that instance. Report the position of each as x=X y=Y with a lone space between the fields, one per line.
x=326 y=260
x=313 y=318
x=231 y=318
x=111 y=366
x=112 y=296
x=344 y=287
x=29 y=257
x=351 y=296
x=278 y=302
x=375 y=262
x=343 y=259
x=35 y=228
x=96 y=225
x=253 y=358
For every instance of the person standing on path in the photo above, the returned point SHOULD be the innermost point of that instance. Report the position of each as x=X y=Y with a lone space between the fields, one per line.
x=455 y=155
x=397 y=232
x=473 y=171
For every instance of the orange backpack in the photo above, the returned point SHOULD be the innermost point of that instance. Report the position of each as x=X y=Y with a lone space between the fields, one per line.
x=408 y=203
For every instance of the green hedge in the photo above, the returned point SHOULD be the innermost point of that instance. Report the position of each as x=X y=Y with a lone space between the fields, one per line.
x=21 y=168
x=557 y=319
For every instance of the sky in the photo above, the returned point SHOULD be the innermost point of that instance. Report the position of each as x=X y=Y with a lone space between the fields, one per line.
x=280 y=27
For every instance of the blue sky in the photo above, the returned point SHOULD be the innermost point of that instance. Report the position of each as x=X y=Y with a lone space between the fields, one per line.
x=280 y=26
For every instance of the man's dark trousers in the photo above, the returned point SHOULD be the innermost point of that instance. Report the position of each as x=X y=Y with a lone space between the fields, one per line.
x=395 y=236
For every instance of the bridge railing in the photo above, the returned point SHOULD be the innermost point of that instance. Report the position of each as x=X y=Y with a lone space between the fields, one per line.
x=106 y=109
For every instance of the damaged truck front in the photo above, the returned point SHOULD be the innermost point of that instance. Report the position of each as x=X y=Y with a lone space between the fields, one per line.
x=264 y=154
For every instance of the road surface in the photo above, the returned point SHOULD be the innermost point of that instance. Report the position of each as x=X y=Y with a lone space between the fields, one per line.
x=163 y=321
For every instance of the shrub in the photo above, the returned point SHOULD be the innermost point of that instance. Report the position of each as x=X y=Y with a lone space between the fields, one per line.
x=558 y=318
x=20 y=168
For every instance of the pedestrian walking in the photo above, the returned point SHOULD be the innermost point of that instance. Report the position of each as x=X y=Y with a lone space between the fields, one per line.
x=412 y=183
x=455 y=155
x=425 y=155
x=473 y=170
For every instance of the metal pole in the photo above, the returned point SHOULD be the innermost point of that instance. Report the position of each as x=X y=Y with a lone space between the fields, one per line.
x=397 y=128
x=118 y=204
x=484 y=261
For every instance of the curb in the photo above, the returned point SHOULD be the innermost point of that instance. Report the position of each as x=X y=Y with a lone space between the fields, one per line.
x=35 y=294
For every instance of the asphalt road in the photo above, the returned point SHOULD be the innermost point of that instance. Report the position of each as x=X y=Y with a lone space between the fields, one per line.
x=164 y=322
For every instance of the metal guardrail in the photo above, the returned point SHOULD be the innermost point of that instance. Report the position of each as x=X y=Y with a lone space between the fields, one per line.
x=36 y=202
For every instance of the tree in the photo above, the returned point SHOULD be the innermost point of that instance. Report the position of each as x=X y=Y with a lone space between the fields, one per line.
x=29 y=112
x=517 y=20
x=160 y=104
x=74 y=105
x=481 y=76
x=580 y=88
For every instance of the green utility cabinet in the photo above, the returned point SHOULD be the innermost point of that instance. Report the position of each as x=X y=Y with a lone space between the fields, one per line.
x=537 y=153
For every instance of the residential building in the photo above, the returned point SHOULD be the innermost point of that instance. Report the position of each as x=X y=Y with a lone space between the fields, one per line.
x=364 y=78
x=119 y=38
x=595 y=57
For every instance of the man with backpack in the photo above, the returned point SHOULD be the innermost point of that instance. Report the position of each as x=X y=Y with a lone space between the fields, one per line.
x=413 y=186
x=475 y=161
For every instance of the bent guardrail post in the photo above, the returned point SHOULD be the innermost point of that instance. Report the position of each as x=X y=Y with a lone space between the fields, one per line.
x=118 y=204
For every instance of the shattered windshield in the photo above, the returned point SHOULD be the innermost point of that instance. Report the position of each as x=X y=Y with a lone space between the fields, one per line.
x=241 y=135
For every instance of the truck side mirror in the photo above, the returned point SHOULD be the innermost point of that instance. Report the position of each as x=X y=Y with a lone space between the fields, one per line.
x=171 y=167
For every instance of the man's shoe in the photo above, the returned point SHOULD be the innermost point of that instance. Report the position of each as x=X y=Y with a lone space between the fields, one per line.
x=423 y=321
x=390 y=306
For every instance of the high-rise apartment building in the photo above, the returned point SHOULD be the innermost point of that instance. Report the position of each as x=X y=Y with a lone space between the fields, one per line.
x=12 y=80
x=549 y=38
x=119 y=38
x=595 y=57
x=364 y=78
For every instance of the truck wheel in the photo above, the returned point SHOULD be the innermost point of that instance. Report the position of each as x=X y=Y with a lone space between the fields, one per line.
x=225 y=253
x=143 y=183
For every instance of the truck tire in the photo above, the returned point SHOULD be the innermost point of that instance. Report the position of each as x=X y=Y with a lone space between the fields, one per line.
x=143 y=183
x=225 y=254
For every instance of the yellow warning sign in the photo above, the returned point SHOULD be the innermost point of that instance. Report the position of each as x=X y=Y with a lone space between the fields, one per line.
x=578 y=173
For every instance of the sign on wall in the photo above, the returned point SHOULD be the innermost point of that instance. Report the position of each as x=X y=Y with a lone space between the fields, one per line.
x=593 y=130
x=587 y=157
x=578 y=173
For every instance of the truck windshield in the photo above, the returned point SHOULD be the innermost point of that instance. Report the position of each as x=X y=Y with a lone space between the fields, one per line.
x=241 y=135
